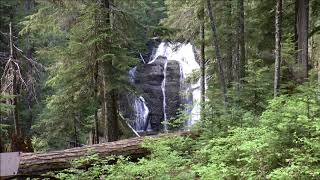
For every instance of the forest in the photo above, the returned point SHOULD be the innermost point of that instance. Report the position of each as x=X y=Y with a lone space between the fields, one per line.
x=160 y=89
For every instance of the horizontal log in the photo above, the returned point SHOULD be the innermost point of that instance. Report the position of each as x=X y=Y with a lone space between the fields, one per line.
x=38 y=163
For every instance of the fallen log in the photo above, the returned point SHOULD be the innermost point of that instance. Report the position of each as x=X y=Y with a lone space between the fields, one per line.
x=39 y=163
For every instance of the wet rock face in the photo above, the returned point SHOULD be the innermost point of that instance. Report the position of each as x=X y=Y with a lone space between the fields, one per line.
x=126 y=106
x=172 y=87
x=148 y=80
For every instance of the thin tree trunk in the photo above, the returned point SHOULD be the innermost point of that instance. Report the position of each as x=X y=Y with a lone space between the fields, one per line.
x=242 y=48
x=215 y=45
x=229 y=46
x=96 y=84
x=319 y=79
x=278 y=36
x=15 y=87
x=104 y=107
x=28 y=6
x=96 y=119
x=302 y=30
x=75 y=130
x=236 y=63
x=16 y=94
x=202 y=62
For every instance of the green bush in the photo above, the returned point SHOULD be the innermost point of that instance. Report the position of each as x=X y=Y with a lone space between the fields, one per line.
x=283 y=143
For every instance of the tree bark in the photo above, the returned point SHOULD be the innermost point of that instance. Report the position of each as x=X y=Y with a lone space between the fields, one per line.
x=96 y=96
x=215 y=45
x=278 y=36
x=16 y=95
x=202 y=62
x=242 y=48
x=296 y=29
x=39 y=163
x=104 y=106
x=112 y=116
x=302 y=31
x=229 y=44
x=28 y=6
x=111 y=95
x=15 y=87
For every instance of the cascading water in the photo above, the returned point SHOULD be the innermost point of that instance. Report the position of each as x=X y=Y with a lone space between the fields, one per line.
x=132 y=74
x=163 y=88
x=141 y=111
x=184 y=54
x=174 y=60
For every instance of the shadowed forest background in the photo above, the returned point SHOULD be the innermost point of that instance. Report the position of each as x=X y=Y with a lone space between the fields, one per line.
x=246 y=87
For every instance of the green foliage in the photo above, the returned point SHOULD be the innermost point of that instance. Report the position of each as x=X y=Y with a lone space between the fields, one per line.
x=170 y=158
x=81 y=41
x=4 y=107
x=254 y=136
x=282 y=144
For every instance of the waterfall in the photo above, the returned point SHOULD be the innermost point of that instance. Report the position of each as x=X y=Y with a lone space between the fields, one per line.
x=142 y=111
x=132 y=74
x=163 y=88
x=184 y=54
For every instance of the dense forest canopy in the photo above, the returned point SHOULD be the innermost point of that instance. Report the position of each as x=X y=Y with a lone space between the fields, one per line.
x=66 y=67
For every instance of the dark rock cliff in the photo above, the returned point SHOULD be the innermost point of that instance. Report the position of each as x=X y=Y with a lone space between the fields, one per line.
x=147 y=80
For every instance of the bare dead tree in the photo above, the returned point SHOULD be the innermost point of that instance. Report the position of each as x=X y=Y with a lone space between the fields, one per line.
x=14 y=79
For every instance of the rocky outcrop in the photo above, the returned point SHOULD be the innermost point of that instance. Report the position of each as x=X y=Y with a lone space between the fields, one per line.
x=147 y=81
x=173 y=97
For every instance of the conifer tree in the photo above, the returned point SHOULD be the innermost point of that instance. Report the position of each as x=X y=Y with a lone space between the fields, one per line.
x=278 y=35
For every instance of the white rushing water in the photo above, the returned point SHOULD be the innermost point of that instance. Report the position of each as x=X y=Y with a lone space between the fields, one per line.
x=142 y=112
x=163 y=88
x=184 y=54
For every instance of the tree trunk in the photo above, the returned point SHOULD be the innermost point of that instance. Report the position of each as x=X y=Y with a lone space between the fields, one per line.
x=229 y=44
x=202 y=62
x=112 y=116
x=242 y=48
x=111 y=96
x=28 y=6
x=104 y=107
x=278 y=36
x=15 y=87
x=296 y=29
x=39 y=163
x=96 y=96
x=319 y=79
x=236 y=62
x=16 y=95
x=75 y=123
x=215 y=45
x=302 y=31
